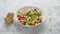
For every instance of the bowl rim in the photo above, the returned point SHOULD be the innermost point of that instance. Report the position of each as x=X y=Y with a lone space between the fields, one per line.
x=31 y=7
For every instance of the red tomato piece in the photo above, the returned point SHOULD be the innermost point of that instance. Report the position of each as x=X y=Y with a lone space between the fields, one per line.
x=22 y=22
x=22 y=17
x=39 y=19
x=18 y=15
x=19 y=18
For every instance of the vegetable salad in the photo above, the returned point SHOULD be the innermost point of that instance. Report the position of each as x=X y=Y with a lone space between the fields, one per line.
x=29 y=17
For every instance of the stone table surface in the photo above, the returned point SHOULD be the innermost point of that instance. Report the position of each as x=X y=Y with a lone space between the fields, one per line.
x=51 y=8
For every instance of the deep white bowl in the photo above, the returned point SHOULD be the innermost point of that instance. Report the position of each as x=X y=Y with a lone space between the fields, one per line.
x=32 y=8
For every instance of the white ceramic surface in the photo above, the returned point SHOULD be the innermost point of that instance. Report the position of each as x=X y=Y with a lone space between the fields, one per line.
x=50 y=8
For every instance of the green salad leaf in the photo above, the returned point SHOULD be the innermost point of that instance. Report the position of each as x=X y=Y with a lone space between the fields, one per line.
x=31 y=15
x=29 y=23
x=39 y=14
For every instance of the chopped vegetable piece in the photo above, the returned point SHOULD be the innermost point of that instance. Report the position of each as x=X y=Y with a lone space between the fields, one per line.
x=29 y=23
x=18 y=15
x=39 y=14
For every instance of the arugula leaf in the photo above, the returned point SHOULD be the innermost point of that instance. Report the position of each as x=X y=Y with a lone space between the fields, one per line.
x=28 y=23
x=31 y=15
x=39 y=14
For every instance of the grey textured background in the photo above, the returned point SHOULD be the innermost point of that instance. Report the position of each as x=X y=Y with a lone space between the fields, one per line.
x=49 y=7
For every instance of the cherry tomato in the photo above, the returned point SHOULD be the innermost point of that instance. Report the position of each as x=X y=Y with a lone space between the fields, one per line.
x=18 y=15
x=39 y=19
x=22 y=16
x=22 y=22
x=19 y=18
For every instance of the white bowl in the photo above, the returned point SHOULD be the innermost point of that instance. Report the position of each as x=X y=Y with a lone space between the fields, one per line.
x=32 y=8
